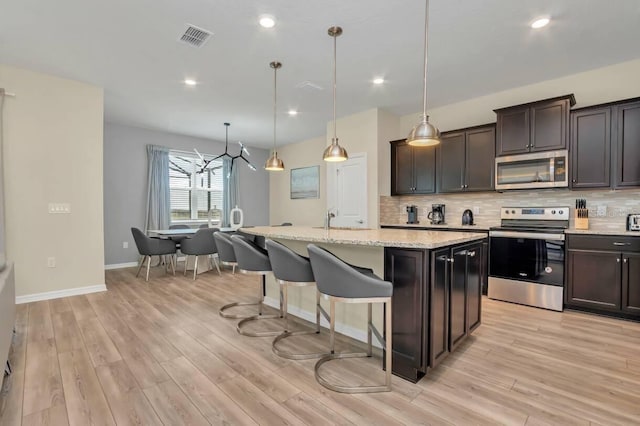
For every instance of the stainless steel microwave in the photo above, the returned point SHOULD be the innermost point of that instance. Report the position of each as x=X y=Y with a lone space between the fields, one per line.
x=529 y=171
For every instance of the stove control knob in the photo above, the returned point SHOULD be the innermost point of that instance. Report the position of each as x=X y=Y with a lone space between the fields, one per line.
x=513 y=212
x=553 y=212
x=506 y=211
x=559 y=211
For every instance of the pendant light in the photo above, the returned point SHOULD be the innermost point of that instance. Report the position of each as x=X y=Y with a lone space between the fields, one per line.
x=424 y=133
x=274 y=164
x=334 y=152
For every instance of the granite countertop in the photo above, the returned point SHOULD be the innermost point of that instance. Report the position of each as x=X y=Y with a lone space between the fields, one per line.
x=613 y=232
x=405 y=238
x=471 y=228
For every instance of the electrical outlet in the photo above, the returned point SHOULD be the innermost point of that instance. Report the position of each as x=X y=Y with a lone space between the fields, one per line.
x=476 y=210
x=125 y=244
x=51 y=262
x=601 y=211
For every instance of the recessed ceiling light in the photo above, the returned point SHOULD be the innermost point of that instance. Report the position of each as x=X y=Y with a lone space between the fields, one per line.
x=293 y=112
x=190 y=82
x=539 y=23
x=378 y=80
x=267 y=21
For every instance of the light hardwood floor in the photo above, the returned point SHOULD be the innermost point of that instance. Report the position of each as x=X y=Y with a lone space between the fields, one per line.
x=159 y=353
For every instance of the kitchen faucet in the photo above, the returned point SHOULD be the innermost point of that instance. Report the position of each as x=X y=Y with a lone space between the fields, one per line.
x=327 y=222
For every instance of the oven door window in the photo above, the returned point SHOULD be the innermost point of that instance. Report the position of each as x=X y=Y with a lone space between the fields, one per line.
x=525 y=259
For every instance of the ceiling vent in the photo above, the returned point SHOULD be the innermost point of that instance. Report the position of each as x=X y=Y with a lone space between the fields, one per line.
x=195 y=36
x=307 y=85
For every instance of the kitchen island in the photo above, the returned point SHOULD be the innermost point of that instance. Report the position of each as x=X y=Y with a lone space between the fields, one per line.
x=437 y=278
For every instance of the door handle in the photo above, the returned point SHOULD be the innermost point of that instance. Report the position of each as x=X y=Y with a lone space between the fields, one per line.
x=618 y=260
x=625 y=260
x=471 y=253
x=621 y=244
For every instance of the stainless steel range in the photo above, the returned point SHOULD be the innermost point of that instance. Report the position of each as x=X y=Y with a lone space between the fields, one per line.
x=526 y=262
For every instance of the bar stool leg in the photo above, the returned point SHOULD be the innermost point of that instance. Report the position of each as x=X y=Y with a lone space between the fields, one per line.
x=332 y=326
x=371 y=329
x=369 y=325
x=389 y=347
x=317 y=312
x=284 y=297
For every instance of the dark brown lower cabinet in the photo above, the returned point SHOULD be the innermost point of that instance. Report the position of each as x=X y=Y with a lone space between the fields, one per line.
x=406 y=269
x=436 y=303
x=594 y=279
x=603 y=274
x=631 y=283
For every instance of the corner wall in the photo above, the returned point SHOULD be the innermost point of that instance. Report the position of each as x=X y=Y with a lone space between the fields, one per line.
x=53 y=132
x=125 y=183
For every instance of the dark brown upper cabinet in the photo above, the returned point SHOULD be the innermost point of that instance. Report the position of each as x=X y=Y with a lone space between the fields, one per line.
x=413 y=169
x=533 y=127
x=466 y=159
x=605 y=145
x=627 y=170
x=590 y=148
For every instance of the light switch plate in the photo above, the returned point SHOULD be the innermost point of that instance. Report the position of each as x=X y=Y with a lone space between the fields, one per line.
x=476 y=210
x=602 y=210
x=56 y=208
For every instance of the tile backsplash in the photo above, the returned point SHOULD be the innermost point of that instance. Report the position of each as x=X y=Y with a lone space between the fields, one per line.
x=618 y=204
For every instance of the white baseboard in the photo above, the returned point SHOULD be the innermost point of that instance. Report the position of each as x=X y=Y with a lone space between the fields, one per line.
x=341 y=328
x=47 y=295
x=120 y=265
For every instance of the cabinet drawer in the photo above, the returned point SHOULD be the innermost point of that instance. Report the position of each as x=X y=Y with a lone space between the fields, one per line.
x=601 y=242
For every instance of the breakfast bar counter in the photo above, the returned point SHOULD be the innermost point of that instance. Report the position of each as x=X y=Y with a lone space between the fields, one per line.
x=437 y=279
x=401 y=238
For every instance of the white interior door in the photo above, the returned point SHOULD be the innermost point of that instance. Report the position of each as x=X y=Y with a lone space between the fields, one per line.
x=347 y=191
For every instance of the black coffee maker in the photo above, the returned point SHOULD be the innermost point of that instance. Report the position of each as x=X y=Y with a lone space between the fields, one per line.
x=412 y=214
x=436 y=214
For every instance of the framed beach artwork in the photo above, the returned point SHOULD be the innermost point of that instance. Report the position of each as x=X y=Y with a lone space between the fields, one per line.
x=305 y=182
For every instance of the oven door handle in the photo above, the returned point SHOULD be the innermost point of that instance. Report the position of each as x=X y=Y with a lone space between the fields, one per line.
x=529 y=235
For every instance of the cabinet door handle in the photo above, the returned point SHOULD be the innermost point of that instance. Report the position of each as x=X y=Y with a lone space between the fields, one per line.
x=625 y=260
x=528 y=146
x=471 y=253
x=573 y=180
x=618 y=260
x=621 y=244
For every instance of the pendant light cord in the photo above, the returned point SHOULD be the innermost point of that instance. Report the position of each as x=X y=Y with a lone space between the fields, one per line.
x=426 y=46
x=335 y=132
x=275 y=91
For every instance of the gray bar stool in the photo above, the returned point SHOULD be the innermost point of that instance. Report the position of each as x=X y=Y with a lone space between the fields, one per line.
x=350 y=284
x=291 y=269
x=226 y=255
x=254 y=260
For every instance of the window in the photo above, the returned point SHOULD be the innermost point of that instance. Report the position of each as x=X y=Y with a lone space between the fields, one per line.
x=193 y=192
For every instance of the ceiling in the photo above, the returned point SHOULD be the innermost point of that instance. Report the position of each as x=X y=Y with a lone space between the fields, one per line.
x=131 y=48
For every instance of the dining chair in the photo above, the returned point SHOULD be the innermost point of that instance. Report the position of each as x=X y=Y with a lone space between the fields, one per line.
x=148 y=247
x=201 y=243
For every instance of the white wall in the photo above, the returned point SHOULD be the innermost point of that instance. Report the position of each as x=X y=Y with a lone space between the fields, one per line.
x=53 y=153
x=303 y=212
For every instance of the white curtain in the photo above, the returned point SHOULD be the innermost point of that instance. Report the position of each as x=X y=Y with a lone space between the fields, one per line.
x=158 y=196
